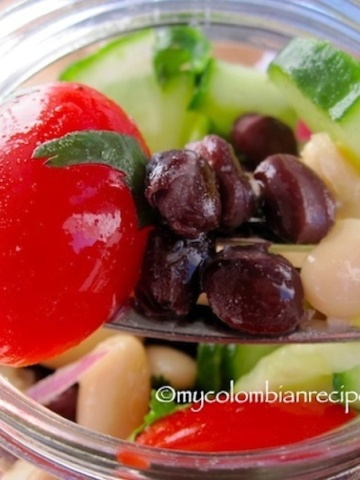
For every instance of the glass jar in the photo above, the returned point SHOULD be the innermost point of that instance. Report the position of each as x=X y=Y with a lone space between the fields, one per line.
x=35 y=35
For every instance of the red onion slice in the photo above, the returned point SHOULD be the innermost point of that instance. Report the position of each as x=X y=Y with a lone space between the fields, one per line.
x=50 y=387
x=303 y=132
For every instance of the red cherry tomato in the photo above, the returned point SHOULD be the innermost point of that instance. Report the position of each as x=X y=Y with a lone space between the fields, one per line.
x=231 y=426
x=70 y=248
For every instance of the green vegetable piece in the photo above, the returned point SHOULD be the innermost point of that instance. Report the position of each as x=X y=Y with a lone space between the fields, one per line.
x=301 y=367
x=159 y=408
x=124 y=71
x=180 y=49
x=94 y=146
x=347 y=384
x=228 y=90
x=322 y=84
x=209 y=367
x=241 y=359
x=218 y=365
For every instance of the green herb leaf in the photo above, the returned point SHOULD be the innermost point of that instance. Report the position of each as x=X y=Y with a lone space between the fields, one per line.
x=158 y=409
x=180 y=49
x=122 y=152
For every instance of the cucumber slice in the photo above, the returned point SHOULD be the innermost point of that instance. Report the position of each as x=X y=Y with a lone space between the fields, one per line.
x=209 y=369
x=218 y=365
x=228 y=90
x=348 y=385
x=241 y=359
x=123 y=70
x=301 y=367
x=322 y=83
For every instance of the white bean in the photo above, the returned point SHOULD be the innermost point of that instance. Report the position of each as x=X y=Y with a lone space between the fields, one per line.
x=322 y=155
x=178 y=368
x=114 y=394
x=331 y=272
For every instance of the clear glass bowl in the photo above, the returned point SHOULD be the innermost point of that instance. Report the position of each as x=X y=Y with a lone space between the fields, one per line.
x=35 y=35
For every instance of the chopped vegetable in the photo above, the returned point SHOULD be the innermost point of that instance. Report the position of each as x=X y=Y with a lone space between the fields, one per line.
x=301 y=367
x=348 y=383
x=50 y=387
x=218 y=365
x=160 y=109
x=180 y=49
x=158 y=409
x=218 y=426
x=70 y=245
x=228 y=90
x=122 y=152
x=170 y=82
x=322 y=84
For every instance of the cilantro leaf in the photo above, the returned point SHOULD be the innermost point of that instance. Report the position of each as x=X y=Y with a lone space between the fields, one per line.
x=158 y=409
x=122 y=152
x=180 y=49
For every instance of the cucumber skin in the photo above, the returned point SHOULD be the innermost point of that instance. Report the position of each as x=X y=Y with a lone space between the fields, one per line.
x=172 y=115
x=209 y=359
x=238 y=360
x=307 y=61
x=322 y=84
x=218 y=364
x=123 y=70
x=348 y=381
x=228 y=90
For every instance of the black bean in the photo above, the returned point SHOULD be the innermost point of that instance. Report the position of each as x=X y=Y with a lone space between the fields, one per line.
x=258 y=136
x=254 y=291
x=237 y=196
x=169 y=284
x=298 y=206
x=183 y=188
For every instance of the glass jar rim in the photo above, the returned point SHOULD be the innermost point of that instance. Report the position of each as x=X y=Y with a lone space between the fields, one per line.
x=37 y=32
x=47 y=431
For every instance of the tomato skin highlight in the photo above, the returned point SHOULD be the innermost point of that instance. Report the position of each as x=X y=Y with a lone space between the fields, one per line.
x=70 y=248
x=231 y=426
x=52 y=110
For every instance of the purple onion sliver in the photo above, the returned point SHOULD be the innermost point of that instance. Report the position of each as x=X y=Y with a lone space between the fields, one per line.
x=50 y=387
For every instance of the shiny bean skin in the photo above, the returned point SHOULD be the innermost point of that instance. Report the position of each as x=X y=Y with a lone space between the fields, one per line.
x=236 y=193
x=254 y=291
x=257 y=136
x=183 y=188
x=169 y=281
x=175 y=366
x=297 y=205
x=114 y=394
x=331 y=272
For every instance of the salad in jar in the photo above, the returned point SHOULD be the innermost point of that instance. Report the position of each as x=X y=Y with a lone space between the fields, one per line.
x=176 y=182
